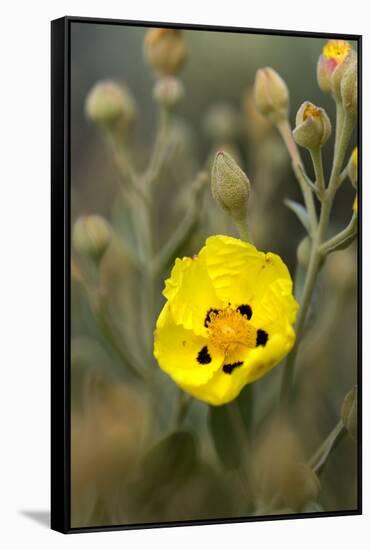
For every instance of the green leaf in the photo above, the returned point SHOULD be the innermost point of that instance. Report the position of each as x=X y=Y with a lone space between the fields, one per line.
x=224 y=437
x=171 y=459
x=300 y=212
x=223 y=431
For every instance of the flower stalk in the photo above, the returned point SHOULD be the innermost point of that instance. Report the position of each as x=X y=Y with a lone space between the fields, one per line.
x=318 y=251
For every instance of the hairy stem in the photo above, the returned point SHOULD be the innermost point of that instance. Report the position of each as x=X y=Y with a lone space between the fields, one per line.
x=316 y=258
x=316 y=155
x=297 y=164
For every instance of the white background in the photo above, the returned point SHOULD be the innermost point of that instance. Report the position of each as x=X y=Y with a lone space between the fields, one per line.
x=25 y=259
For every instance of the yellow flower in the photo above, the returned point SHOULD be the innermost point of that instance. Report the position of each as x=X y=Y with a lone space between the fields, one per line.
x=355 y=205
x=227 y=320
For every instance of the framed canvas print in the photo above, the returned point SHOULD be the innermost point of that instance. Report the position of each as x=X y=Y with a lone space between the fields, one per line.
x=206 y=199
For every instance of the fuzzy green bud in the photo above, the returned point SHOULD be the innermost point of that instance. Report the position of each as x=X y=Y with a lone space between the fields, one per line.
x=91 y=236
x=271 y=95
x=349 y=412
x=339 y=73
x=168 y=91
x=165 y=50
x=111 y=106
x=230 y=186
x=349 y=88
x=313 y=126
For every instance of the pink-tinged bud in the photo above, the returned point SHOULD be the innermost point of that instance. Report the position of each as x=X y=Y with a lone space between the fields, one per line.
x=271 y=95
x=165 y=50
x=313 y=126
x=333 y=55
x=339 y=73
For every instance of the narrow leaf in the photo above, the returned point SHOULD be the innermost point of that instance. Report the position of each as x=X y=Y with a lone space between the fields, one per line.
x=300 y=212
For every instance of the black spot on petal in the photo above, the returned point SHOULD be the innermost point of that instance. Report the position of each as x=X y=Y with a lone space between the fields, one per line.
x=208 y=316
x=261 y=337
x=203 y=356
x=229 y=368
x=245 y=310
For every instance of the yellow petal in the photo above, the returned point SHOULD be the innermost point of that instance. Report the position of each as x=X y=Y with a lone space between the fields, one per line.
x=239 y=272
x=222 y=388
x=176 y=350
x=190 y=294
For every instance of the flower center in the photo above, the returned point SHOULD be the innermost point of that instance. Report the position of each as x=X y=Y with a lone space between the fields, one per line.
x=336 y=50
x=230 y=331
x=311 y=111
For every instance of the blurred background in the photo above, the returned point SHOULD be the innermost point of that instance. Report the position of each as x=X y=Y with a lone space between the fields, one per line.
x=120 y=473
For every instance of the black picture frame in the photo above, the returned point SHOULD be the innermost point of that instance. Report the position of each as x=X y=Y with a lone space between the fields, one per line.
x=60 y=272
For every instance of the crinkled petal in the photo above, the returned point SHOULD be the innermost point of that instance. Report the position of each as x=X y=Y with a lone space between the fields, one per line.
x=239 y=272
x=191 y=294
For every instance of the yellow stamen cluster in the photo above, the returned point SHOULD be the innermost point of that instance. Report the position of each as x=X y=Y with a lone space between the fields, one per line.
x=336 y=50
x=229 y=331
x=311 y=111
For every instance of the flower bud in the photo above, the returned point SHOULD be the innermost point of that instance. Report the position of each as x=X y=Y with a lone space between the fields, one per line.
x=230 y=186
x=271 y=95
x=333 y=54
x=222 y=123
x=339 y=73
x=165 y=50
x=313 y=126
x=353 y=167
x=91 y=236
x=349 y=412
x=168 y=91
x=349 y=88
x=111 y=106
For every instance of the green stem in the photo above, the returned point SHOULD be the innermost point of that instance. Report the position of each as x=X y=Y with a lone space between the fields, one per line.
x=297 y=164
x=342 y=238
x=243 y=230
x=185 y=228
x=316 y=155
x=316 y=258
